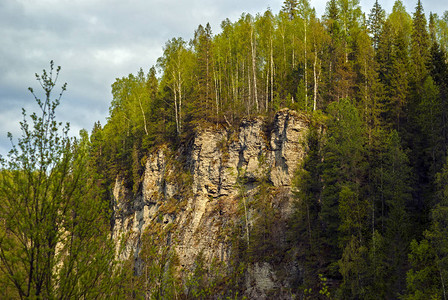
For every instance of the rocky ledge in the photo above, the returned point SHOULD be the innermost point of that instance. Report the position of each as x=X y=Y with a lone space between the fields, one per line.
x=196 y=191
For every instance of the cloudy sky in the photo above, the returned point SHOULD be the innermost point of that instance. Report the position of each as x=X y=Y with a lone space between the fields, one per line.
x=96 y=41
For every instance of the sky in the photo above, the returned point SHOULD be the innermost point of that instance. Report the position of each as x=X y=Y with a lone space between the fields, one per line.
x=96 y=41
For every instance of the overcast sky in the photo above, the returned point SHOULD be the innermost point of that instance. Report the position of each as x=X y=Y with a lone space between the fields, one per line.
x=96 y=41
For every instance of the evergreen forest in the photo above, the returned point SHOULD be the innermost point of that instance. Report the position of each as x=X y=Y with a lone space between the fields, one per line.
x=370 y=215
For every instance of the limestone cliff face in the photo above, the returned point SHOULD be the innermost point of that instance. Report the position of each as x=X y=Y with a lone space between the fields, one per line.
x=196 y=190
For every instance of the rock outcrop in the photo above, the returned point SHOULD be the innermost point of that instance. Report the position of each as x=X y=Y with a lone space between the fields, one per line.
x=197 y=189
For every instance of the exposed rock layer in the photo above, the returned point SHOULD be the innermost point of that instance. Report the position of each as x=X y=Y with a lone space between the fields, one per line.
x=199 y=196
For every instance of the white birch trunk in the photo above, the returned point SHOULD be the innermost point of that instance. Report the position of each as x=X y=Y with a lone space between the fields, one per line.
x=253 y=50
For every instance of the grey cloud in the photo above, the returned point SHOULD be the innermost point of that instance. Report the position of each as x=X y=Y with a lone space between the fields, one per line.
x=96 y=41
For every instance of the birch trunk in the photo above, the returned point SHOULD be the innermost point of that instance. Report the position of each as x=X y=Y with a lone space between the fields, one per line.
x=272 y=73
x=143 y=114
x=253 y=50
x=306 y=66
x=315 y=82
x=179 y=91
x=176 y=113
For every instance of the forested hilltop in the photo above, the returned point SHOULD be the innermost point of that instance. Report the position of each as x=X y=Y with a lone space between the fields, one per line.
x=372 y=206
x=390 y=68
x=370 y=211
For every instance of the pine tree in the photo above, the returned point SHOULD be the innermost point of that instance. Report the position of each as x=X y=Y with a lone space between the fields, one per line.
x=376 y=20
x=393 y=66
x=439 y=73
x=415 y=136
x=420 y=46
x=333 y=54
x=343 y=171
x=306 y=227
x=396 y=194
x=290 y=8
x=428 y=276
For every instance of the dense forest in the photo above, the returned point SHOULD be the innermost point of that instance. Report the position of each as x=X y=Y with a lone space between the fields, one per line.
x=371 y=197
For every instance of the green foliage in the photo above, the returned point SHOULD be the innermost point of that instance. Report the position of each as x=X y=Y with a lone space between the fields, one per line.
x=423 y=279
x=420 y=45
x=343 y=166
x=430 y=120
x=393 y=63
x=376 y=21
x=353 y=212
x=353 y=267
x=324 y=289
x=54 y=240
x=209 y=280
x=131 y=129
x=367 y=186
x=290 y=7
x=265 y=238
x=390 y=197
x=153 y=273
x=305 y=225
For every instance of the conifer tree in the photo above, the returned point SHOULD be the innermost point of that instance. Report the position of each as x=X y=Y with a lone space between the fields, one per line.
x=428 y=276
x=290 y=7
x=420 y=45
x=439 y=73
x=393 y=66
x=415 y=135
x=376 y=20
x=395 y=223
x=305 y=223
x=342 y=174
x=333 y=53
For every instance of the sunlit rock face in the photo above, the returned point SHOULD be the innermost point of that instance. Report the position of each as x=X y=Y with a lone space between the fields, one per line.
x=196 y=190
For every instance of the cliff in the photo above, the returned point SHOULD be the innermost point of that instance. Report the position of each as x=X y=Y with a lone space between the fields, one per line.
x=210 y=187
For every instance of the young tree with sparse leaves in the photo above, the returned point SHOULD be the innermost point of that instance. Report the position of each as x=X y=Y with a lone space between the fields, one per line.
x=54 y=238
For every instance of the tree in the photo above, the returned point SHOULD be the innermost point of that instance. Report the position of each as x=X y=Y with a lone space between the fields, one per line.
x=265 y=28
x=423 y=103
x=350 y=18
x=54 y=240
x=442 y=31
x=366 y=87
x=205 y=86
x=428 y=276
x=394 y=66
x=430 y=120
x=176 y=64
x=153 y=273
x=393 y=216
x=439 y=73
x=290 y=8
x=305 y=13
x=333 y=52
x=343 y=171
x=376 y=20
x=420 y=45
x=305 y=224
x=422 y=279
x=320 y=40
